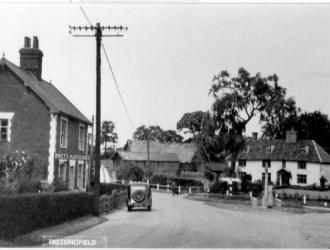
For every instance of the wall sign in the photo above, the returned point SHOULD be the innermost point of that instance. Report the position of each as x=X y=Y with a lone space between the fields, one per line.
x=72 y=157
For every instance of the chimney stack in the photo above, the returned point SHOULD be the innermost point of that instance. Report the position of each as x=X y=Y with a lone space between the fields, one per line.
x=291 y=136
x=31 y=58
x=255 y=135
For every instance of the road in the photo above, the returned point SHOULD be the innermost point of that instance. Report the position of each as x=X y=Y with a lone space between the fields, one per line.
x=177 y=222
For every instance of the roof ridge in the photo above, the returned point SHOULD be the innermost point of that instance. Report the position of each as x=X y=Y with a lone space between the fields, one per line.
x=317 y=151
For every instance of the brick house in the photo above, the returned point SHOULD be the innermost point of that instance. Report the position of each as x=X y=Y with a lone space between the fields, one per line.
x=36 y=117
x=290 y=161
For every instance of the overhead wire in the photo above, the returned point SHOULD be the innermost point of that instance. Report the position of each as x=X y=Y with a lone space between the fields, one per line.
x=113 y=75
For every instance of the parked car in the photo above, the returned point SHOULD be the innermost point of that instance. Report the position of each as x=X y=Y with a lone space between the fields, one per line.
x=139 y=196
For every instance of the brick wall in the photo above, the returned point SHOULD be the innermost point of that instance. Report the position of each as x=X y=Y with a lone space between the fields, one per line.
x=31 y=121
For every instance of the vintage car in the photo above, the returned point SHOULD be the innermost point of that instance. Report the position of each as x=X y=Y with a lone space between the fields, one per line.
x=139 y=196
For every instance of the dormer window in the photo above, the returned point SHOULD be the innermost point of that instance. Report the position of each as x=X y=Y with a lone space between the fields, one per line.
x=304 y=150
x=270 y=149
x=266 y=163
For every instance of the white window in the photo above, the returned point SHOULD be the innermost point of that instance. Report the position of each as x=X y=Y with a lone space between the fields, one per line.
x=62 y=170
x=302 y=179
x=301 y=165
x=80 y=175
x=64 y=133
x=5 y=125
x=266 y=163
x=81 y=140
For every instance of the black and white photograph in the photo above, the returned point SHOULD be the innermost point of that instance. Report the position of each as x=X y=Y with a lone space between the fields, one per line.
x=164 y=124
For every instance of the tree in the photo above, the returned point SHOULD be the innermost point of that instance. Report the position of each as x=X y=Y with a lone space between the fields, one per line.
x=192 y=122
x=108 y=134
x=238 y=100
x=309 y=125
x=156 y=133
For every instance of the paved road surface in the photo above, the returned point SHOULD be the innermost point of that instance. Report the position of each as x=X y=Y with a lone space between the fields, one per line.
x=176 y=222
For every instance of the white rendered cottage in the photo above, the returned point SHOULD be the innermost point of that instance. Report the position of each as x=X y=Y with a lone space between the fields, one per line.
x=289 y=161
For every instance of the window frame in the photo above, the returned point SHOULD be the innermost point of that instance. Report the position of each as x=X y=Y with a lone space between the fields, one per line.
x=242 y=163
x=263 y=174
x=8 y=117
x=264 y=163
x=301 y=176
x=80 y=175
x=81 y=140
x=64 y=145
x=303 y=166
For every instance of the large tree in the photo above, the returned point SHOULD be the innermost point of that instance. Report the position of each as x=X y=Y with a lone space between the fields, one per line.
x=309 y=125
x=192 y=123
x=156 y=133
x=108 y=134
x=238 y=99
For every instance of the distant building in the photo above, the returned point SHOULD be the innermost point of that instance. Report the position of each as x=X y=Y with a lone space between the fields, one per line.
x=289 y=161
x=38 y=118
x=169 y=159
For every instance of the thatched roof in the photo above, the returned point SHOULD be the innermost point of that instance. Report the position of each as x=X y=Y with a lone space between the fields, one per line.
x=184 y=151
x=133 y=156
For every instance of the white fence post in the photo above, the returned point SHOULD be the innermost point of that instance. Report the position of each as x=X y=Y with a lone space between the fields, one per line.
x=122 y=181
x=157 y=186
x=304 y=199
x=179 y=189
x=250 y=193
x=189 y=190
x=168 y=187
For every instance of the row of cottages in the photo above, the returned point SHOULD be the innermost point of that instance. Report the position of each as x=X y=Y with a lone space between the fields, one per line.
x=37 y=118
x=290 y=161
x=169 y=159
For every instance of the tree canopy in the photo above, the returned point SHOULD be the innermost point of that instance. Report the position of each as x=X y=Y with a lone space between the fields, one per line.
x=108 y=134
x=156 y=133
x=309 y=125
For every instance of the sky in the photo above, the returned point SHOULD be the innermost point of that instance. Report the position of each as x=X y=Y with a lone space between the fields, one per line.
x=165 y=62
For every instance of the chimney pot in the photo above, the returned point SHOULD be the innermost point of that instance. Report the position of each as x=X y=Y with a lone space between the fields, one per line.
x=27 y=42
x=35 y=42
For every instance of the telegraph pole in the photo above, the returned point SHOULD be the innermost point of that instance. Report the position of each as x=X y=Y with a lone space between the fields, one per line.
x=148 y=155
x=98 y=34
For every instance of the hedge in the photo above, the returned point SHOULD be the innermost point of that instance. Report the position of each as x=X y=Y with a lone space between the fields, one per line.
x=107 y=188
x=23 y=213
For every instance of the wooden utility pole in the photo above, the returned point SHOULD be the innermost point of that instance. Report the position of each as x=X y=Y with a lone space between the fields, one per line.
x=148 y=156
x=98 y=34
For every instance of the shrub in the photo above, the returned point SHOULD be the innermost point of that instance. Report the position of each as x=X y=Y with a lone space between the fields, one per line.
x=129 y=172
x=29 y=187
x=256 y=188
x=161 y=179
x=107 y=188
x=23 y=213
x=219 y=187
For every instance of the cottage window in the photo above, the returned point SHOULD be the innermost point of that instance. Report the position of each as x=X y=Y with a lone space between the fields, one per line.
x=4 y=129
x=64 y=133
x=304 y=150
x=266 y=163
x=269 y=177
x=242 y=163
x=302 y=179
x=81 y=137
x=301 y=165
x=5 y=125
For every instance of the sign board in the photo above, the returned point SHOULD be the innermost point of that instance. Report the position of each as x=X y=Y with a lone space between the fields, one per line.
x=72 y=157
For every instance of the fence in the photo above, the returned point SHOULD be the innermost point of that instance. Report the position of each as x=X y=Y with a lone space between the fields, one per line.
x=117 y=199
x=171 y=188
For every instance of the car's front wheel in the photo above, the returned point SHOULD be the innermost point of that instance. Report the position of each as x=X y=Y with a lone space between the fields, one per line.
x=149 y=208
x=129 y=209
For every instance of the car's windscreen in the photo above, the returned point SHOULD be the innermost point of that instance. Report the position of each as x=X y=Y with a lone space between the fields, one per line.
x=135 y=188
